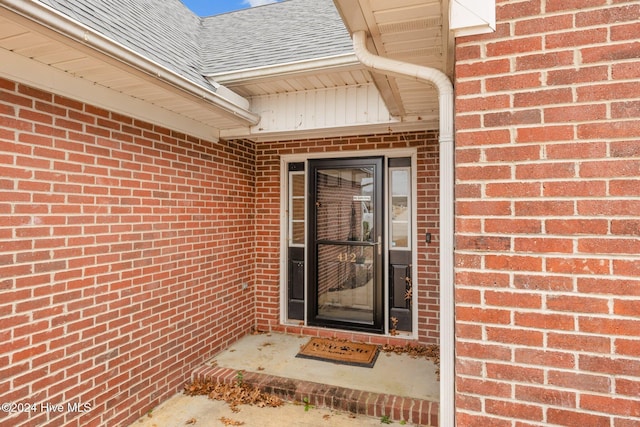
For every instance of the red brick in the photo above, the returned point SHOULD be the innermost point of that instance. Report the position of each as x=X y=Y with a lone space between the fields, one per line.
x=609 y=246
x=545 y=133
x=626 y=267
x=607 y=92
x=568 y=114
x=513 y=263
x=471 y=420
x=571 y=5
x=625 y=70
x=615 y=286
x=512 y=153
x=625 y=227
x=545 y=321
x=609 y=15
x=483 y=137
x=514 y=410
x=585 y=150
x=543 y=24
x=582 y=343
x=485 y=208
x=546 y=358
x=544 y=208
x=479 y=315
x=610 y=405
x=628 y=387
x=569 y=418
x=482 y=103
x=512 y=10
x=577 y=304
x=544 y=60
x=513 y=82
x=543 y=245
x=513 y=225
x=580 y=381
x=483 y=388
x=521 y=337
x=482 y=68
x=483 y=243
x=571 y=76
x=578 y=265
x=609 y=208
x=576 y=38
x=472 y=173
x=609 y=326
x=510 y=372
x=485 y=279
x=512 y=299
x=576 y=226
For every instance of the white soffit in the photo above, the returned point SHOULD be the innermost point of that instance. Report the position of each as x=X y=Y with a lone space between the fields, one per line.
x=470 y=17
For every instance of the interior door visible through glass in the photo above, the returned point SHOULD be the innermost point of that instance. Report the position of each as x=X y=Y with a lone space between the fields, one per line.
x=346 y=243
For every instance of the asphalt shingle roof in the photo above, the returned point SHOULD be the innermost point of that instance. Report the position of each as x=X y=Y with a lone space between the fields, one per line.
x=167 y=32
x=279 y=33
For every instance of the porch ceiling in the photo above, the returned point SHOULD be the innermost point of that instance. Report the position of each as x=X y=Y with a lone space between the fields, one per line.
x=413 y=31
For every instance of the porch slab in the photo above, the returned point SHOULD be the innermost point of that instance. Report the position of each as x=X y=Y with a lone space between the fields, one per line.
x=398 y=386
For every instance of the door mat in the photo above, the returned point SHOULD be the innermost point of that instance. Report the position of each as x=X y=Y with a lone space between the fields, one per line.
x=344 y=352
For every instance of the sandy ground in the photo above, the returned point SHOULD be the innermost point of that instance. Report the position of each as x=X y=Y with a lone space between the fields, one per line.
x=200 y=411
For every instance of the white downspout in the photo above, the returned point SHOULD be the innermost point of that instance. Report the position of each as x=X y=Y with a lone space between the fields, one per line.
x=445 y=95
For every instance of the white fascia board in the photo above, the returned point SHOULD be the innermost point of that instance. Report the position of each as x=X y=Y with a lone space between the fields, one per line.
x=471 y=17
x=36 y=74
x=287 y=69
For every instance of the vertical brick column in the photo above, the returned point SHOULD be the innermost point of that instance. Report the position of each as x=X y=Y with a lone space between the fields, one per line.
x=547 y=216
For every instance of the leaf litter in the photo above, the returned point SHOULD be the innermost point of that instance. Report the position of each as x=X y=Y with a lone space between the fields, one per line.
x=234 y=394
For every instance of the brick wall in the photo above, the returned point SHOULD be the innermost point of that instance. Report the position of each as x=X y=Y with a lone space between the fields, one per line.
x=123 y=247
x=548 y=236
x=268 y=225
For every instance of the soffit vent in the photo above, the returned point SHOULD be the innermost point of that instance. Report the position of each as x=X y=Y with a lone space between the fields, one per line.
x=415 y=25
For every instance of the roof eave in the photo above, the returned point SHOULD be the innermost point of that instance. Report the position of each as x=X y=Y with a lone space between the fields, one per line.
x=236 y=107
x=315 y=65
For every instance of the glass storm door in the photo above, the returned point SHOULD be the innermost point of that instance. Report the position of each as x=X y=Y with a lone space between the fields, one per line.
x=345 y=243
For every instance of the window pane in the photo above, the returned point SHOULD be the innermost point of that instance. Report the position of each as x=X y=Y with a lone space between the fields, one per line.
x=400 y=238
x=400 y=227
x=297 y=213
x=400 y=182
x=297 y=233
x=297 y=185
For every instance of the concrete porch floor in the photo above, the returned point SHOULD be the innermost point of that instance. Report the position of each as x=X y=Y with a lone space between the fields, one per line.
x=275 y=354
x=398 y=386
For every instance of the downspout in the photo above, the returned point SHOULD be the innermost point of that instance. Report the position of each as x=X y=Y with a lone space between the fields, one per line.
x=419 y=73
x=223 y=98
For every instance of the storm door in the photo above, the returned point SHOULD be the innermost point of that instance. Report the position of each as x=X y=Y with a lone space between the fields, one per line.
x=345 y=243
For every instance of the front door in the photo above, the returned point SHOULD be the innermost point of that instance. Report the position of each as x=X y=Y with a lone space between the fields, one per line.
x=345 y=243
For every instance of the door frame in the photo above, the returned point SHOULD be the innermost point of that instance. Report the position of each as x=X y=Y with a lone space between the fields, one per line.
x=311 y=300
x=304 y=157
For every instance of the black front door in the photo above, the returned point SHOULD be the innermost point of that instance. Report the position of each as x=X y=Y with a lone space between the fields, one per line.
x=345 y=243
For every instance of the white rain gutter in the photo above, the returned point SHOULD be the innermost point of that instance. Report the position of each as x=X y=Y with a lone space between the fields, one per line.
x=291 y=68
x=35 y=11
x=419 y=73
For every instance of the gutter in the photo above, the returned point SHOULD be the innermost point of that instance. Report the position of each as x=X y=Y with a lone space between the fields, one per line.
x=230 y=103
x=291 y=68
x=423 y=74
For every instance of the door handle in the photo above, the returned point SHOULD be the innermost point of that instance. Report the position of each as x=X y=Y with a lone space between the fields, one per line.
x=379 y=244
